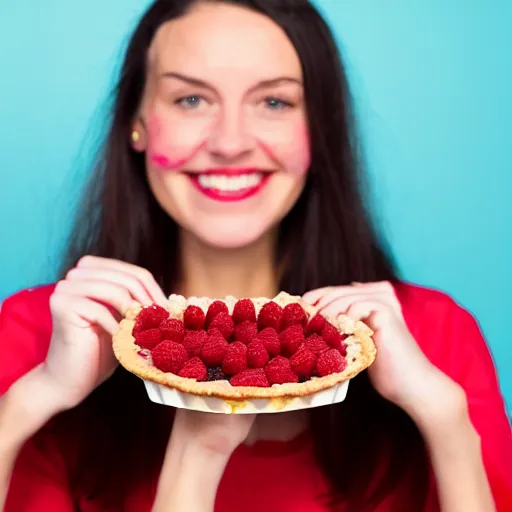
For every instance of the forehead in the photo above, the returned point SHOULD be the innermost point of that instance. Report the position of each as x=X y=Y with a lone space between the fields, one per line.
x=218 y=40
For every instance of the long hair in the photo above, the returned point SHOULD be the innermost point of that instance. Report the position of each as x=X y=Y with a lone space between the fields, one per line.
x=366 y=446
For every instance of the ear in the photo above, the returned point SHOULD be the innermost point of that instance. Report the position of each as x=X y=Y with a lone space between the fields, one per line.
x=138 y=136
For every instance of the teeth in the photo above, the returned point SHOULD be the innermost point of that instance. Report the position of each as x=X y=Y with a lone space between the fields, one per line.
x=230 y=183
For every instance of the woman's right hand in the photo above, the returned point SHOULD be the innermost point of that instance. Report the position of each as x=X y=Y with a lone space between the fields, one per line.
x=86 y=308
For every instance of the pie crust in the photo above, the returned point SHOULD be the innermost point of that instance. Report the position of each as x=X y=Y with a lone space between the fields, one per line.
x=361 y=353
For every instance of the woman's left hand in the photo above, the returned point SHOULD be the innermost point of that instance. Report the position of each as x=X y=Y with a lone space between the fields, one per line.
x=401 y=372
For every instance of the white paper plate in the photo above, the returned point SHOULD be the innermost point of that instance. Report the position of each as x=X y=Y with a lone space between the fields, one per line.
x=175 y=398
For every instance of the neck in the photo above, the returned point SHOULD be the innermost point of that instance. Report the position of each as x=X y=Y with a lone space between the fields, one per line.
x=242 y=272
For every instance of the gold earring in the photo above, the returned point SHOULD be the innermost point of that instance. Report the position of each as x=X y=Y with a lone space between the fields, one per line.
x=135 y=136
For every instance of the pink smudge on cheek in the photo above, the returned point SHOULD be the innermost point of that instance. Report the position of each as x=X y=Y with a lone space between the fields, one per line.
x=166 y=163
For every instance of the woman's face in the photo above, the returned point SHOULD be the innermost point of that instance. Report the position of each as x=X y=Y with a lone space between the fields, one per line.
x=223 y=124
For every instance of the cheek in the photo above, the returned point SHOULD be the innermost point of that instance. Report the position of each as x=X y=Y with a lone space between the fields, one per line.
x=290 y=147
x=170 y=147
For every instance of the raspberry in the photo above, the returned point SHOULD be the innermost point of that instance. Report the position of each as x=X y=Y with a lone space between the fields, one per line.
x=194 y=341
x=214 y=348
x=172 y=329
x=270 y=340
x=216 y=374
x=244 y=311
x=169 y=356
x=330 y=362
x=215 y=308
x=224 y=323
x=316 y=344
x=257 y=356
x=236 y=359
x=293 y=314
x=245 y=332
x=315 y=325
x=194 y=369
x=303 y=362
x=255 y=378
x=343 y=349
x=291 y=339
x=194 y=318
x=270 y=315
x=279 y=371
x=150 y=317
x=148 y=339
x=332 y=336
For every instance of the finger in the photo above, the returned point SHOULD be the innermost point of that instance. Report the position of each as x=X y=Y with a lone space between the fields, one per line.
x=375 y=313
x=349 y=291
x=144 y=276
x=107 y=293
x=341 y=305
x=85 y=310
x=132 y=284
x=313 y=296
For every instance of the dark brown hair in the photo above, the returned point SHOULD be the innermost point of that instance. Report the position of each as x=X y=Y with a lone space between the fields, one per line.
x=327 y=239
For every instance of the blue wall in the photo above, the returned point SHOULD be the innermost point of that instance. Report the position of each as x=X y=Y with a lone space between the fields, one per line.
x=432 y=82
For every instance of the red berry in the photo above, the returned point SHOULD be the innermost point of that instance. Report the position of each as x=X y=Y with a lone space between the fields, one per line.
x=194 y=318
x=214 y=348
x=224 y=323
x=332 y=336
x=169 y=356
x=330 y=362
x=271 y=315
x=270 y=340
x=150 y=317
x=279 y=371
x=293 y=314
x=257 y=356
x=236 y=359
x=245 y=332
x=194 y=369
x=215 y=308
x=244 y=311
x=148 y=339
x=315 y=325
x=291 y=339
x=255 y=378
x=172 y=329
x=343 y=349
x=303 y=362
x=194 y=341
x=316 y=344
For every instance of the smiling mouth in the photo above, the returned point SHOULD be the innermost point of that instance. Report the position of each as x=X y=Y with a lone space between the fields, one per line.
x=230 y=185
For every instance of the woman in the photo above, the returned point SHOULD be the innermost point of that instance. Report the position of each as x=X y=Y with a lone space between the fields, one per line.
x=231 y=168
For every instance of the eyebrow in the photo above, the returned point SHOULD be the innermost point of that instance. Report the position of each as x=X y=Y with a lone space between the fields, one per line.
x=260 y=85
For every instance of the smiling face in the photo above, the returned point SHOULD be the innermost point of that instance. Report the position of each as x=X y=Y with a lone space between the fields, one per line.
x=223 y=124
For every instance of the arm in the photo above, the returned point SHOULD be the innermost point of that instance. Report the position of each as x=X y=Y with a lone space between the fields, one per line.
x=20 y=418
x=197 y=453
x=455 y=453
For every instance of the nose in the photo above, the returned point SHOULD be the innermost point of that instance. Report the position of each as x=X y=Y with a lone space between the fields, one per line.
x=229 y=138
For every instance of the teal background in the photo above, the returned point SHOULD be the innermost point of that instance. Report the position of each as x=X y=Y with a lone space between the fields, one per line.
x=433 y=84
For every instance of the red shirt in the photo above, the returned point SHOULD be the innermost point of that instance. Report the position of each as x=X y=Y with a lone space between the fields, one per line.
x=275 y=476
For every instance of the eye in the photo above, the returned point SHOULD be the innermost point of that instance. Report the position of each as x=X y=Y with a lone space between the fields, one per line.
x=189 y=102
x=277 y=103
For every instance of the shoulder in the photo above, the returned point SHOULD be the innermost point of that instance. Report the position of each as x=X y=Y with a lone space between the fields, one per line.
x=25 y=332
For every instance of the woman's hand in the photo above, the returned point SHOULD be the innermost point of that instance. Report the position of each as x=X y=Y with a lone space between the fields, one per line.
x=86 y=307
x=401 y=372
x=198 y=451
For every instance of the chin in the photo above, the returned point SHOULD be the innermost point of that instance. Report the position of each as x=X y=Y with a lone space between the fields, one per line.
x=230 y=235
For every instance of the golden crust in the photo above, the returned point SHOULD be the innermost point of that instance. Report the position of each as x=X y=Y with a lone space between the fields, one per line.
x=361 y=353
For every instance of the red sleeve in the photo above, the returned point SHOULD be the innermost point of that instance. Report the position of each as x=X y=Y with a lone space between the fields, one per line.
x=39 y=480
x=473 y=368
x=25 y=331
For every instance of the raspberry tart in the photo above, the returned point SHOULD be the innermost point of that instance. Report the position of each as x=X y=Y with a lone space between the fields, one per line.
x=242 y=355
